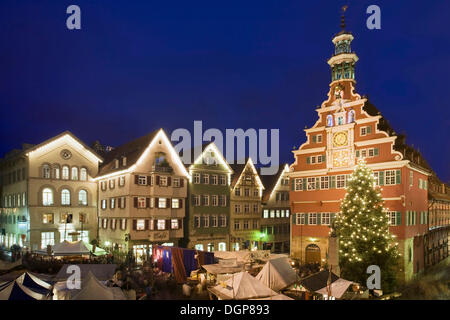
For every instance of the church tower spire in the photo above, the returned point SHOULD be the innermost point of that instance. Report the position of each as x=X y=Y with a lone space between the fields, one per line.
x=343 y=61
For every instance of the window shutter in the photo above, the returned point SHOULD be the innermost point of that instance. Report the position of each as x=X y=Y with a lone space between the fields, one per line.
x=369 y=129
x=375 y=151
x=168 y=202
x=180 y=203
x=124 y=202
x=157 y=180
x=156 y=202
x=201 y=221
x=306 y=215
x=294 y=217
x=314 y=138
x=332 y=217
x=357 y=153
x=317 y=183
x=147 y=202
x=119 y=202
x=398 y=178
x=134 y=224
x=319 y=218
x=136 y=179
x=181 y=182
x=167 y=224
x=381 y=178
x=292 y=184
x=135 y=199
x=308 y=160
x=169 y=181
x=399 y=218
x=147 y=224
x=304 y=184
x=323 y=158
x=149 y=180
x=333 y=182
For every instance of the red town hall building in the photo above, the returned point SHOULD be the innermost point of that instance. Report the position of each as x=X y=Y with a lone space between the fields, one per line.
x=350 y=127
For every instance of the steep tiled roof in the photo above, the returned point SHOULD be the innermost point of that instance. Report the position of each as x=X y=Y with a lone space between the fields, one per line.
x=270 y=181
x=131 y=150
x=237 y=171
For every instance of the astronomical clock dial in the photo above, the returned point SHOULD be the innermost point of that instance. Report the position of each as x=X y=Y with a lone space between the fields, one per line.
x=340 y=139
x=341 y=158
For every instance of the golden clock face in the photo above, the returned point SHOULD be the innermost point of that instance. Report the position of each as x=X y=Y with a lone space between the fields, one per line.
x=341 y=158
x=340 y=139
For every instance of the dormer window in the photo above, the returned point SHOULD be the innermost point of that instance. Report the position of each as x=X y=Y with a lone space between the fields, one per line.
x=116 y=163
x=124 y=161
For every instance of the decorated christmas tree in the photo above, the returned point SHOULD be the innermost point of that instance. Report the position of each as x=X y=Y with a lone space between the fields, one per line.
x=363 y=231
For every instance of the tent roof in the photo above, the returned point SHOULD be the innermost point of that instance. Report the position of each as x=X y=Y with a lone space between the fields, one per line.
x=242 y=286
x=16 y=291
x=34 y=283
x=277 y=274
x=277 y=297
x=76 y=248
x=220 y=269
x=318 y=280
x=92 y=289
x=338 y=288
x=102 y=272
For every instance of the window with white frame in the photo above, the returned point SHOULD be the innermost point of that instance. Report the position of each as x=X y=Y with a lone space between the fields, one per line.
x=47 y=218
x=142 y=180
x=83 y=174
x=45 y=171
x=196 y=178
x=256 y=192
x=82 y=197
x=245 y=224
x=176 y=182
x=392 y=218
x=47 y=197
x=74 y=173
x=111 y=183
x=65 y=197
x=255 y=224
x=222 y=180
x=389 y=177
x=214 y=179
x=205 y=221
x=163 y=181
x=237 y=191
x=363 y=131
x=265 y=213
x=142 y=203
x=312 y=183
x=162 y=203
x=246 y=208
x=340 y=181
x=255 y=208
x=196 y=222
x=237 y=208
x=237 y=225
x=214 y=200
x=205 y=199
x=312 y=218
x=196 y=200
x=324 y=182
x=222 y=220
x=206 y=178
x=104 y=204
x=123 y=224
x=214 y=221
x=47 y=238
x=313 y=159
x=174 y=224
x=161 y=224
x=376 y=176
x=140 y=224
x=272 y=213
x=65 y=172
x=325 y=216
x=176 y=203
x=298 y=184
x=222 y=200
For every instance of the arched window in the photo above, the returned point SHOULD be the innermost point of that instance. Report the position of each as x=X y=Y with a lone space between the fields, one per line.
x=46 y=171
x=82 y=198
x=74 y=173
x=329 y=120
x=351 y=116
x=65 y=172
x=83 y=174
x=65 y=197
x=56 y=171
x=47 y=197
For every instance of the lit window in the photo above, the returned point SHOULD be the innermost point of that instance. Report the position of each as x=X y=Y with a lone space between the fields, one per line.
x=266 y=213
x=176 y=182
x=161 y=225
x=56 y=172
x=83 y=174
x=351 y=116
x=272 y=213
x=162 y=203
x=65 y=197
x=111 y=183
x=175 y=203
x=330 y=120
x=199 y=247
x=47 y=197
x=74 y=173
x=82 y=197
x=140 y=224
x=142 y=180
x=65 y=172
x=142 y=203
x=47 y=218
x=174 y=224
x=47 y=239
x=121 y=181
x=46 y=171
x=163 y=181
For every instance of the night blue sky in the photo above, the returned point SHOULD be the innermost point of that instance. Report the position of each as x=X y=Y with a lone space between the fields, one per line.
x=139 y=65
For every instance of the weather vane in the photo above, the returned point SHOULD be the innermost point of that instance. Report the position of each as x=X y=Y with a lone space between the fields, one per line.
x=344 y=8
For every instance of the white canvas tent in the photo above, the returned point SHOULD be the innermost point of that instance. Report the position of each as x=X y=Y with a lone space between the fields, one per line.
x=76 y=248
x=242 y=286
x=16 y=291
x=338 y=288
x=277 y=274
x=92 y=289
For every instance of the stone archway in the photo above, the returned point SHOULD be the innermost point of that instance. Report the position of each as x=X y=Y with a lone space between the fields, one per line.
x=312 y=253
